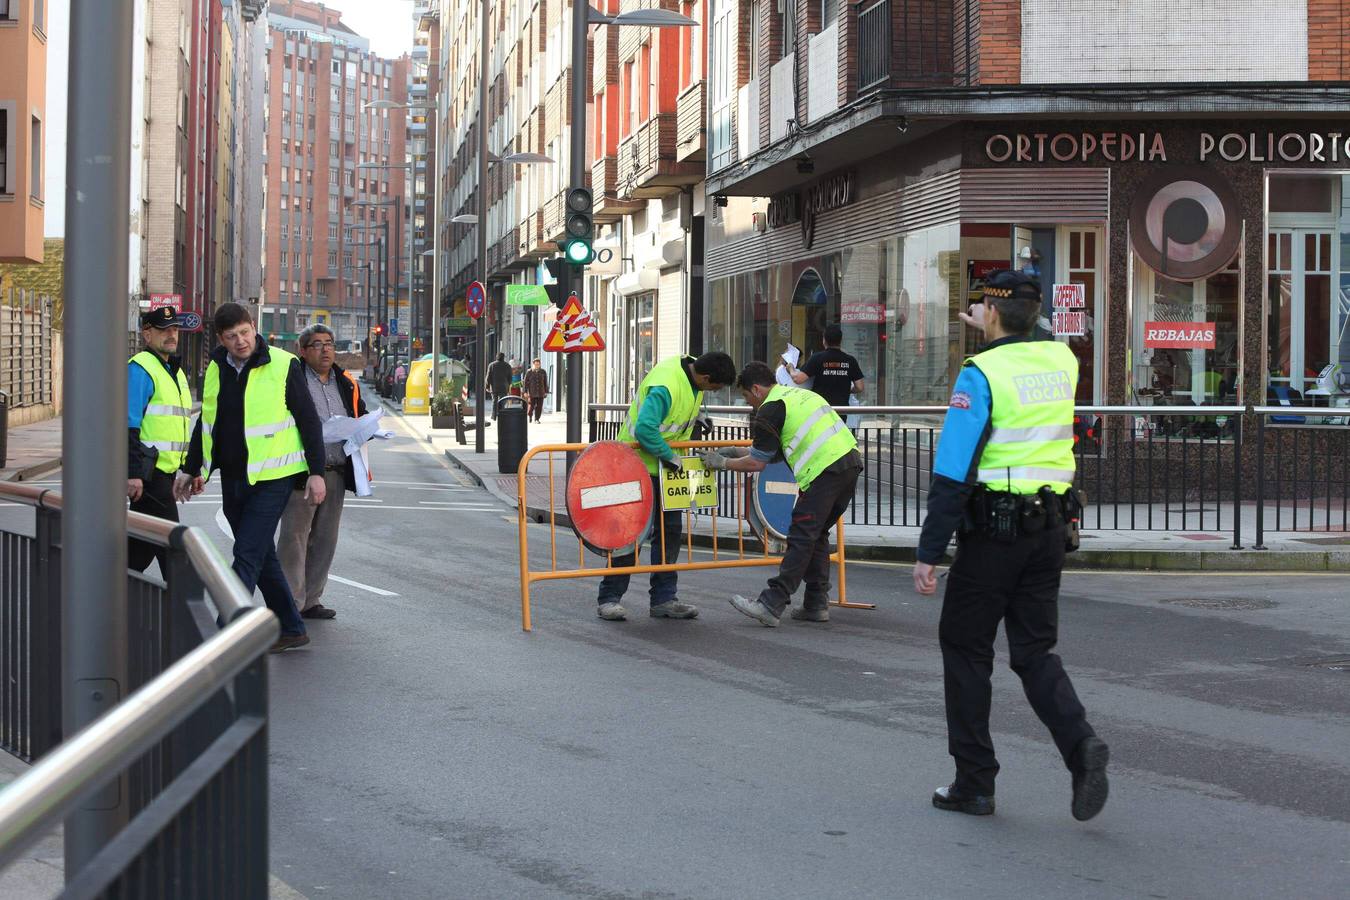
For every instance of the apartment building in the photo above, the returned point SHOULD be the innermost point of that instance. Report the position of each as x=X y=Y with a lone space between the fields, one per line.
x=330 y=224
x=23 y=105
x=1173 y=173
x=422 y=160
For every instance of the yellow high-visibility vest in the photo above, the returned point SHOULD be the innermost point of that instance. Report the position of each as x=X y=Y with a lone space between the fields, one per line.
x=271 y=436
x=167 y=423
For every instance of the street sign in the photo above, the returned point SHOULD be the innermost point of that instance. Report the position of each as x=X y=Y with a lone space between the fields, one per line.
x=609 y=497
x=158 y=300
x=475 y=300
x=189 y=321
x=690 y=487
x=393 y=326
x=775 y=495
x=526 y=295
x=574 y=331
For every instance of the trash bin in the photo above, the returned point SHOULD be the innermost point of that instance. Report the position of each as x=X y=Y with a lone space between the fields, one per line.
x=512 y=437
x=4 y=426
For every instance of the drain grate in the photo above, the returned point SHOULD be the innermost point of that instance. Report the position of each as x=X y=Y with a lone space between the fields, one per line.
x=1238 y=604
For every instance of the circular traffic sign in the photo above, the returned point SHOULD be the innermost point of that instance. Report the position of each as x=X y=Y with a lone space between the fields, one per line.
x=475 y=300
x=189 y=321
x=775 y=495
x=609 y=497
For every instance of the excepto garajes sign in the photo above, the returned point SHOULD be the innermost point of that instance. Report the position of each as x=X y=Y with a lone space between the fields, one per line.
x=691 y=487
x=1179 y=335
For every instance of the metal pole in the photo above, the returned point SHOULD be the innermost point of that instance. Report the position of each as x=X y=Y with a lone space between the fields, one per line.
x=435 y=257
x=398 y=276
x=94 y=532
x=384 y=280
x=409 y=222
x=581 y=79
x=480 y=327
x=370 y=311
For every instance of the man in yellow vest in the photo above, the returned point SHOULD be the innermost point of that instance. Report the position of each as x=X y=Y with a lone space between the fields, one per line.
x=665 y=409
x=823 y=455
x=1003 y=480
x=259 y=428
x=159 y=423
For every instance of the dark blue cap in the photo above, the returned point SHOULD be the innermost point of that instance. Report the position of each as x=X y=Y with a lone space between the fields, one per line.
x=1007 y=283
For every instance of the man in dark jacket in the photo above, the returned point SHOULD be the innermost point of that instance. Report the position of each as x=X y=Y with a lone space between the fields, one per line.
x=498 y=380
x=535 y=385
x=309 y=533
x=258 y=427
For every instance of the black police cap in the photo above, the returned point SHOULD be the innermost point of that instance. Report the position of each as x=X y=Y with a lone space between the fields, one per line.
x=1007 y=283
x=164 y=317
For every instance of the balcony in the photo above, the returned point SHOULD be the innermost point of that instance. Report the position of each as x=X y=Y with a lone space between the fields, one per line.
x=906 y=43
x=555 y=216
x=251 y=9
x=648 y=166
x=692 y=114
x=604 y=186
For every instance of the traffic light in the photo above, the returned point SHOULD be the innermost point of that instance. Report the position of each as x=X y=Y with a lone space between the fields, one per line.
x=379 y=330
x=577 y=248
x=557 y=267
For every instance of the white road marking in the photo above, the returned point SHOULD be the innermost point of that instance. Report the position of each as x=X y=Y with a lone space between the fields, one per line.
x=445 y=490
x=223 y=524
x=605 y=495
x=365 y=587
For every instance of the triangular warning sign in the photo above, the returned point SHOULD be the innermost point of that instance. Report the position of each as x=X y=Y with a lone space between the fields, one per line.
x=574 y=331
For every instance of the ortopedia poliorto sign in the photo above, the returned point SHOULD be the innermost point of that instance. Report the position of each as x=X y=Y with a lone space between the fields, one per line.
x=1179 y=335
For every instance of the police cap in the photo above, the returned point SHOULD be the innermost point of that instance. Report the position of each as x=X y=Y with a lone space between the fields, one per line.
x=163 y=317
x=1005 y=283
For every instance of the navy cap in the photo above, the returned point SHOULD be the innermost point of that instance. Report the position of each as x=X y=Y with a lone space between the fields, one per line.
x=1006 y=283
x=163 y=317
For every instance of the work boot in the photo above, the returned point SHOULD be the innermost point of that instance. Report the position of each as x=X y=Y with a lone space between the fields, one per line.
x=1089 y=777
x=612 y=612
x=755 y=610
x=953 y=800
x=674 y=609
x=810 y=613
x=289 y=642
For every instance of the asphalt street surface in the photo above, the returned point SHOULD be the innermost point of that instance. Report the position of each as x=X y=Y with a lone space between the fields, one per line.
x=423 y=746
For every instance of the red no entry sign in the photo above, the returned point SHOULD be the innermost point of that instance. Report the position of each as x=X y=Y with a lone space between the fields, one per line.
x=609 y=496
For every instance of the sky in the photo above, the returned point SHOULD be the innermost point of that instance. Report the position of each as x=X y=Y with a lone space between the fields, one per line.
x=388 y=24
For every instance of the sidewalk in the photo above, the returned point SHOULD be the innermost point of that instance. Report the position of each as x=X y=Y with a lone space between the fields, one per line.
x=1179 y=550
x=33 y=451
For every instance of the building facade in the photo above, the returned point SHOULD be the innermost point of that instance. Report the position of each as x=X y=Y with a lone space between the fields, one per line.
x=23 y=111
x=1173 y=174
x=336 y=235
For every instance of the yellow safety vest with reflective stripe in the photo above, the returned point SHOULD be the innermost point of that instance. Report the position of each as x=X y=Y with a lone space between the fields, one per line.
x=813 y=434
x=1030 y=445
x=167 y=423
x=271 y=436
x=678 y=424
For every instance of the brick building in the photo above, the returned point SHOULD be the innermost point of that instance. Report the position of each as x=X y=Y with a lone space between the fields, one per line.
x=326 y=219
x=23 y=103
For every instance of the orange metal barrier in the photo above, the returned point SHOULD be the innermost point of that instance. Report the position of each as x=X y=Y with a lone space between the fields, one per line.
x=555 y=453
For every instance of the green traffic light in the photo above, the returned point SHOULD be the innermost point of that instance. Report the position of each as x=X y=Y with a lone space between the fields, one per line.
x=578 y=253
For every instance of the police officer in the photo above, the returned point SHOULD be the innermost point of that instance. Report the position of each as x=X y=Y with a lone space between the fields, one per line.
x=823 y=455
x=665 y=409
x=159 y=424
x=1002 y=478
x=259 y=428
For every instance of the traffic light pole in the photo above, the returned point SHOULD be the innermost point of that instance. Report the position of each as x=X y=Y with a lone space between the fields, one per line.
x=581 y=81
x=480 y=229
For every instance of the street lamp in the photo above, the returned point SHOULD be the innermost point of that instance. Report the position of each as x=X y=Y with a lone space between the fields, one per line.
x=412 y=330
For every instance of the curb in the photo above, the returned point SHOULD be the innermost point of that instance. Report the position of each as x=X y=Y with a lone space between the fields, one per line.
x=36 y=470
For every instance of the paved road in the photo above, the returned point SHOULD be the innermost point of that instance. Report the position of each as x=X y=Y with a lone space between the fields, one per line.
x=423 y=746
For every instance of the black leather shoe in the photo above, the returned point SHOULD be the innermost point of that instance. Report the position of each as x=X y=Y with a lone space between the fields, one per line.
x=319 y=611
x=1089 y=777
x=952 y=800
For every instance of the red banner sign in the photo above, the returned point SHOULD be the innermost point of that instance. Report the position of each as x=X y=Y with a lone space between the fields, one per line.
x=1179 y=335
x=173 y=300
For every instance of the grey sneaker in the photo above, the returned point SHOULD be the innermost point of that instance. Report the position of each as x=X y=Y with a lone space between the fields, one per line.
x=810 y=614
x=755 y=610
x=674 y=609
x=612 y=612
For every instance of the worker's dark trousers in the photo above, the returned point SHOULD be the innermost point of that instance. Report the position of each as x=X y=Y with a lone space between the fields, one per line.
x=156 y=500
x=808 y=544
x=1018 y=583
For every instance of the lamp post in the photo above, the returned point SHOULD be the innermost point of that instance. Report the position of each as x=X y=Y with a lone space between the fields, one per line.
x=350 y=268
x=396 y=204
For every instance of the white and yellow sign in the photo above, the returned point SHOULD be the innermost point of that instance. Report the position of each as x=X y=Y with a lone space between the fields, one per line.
x=693 y=487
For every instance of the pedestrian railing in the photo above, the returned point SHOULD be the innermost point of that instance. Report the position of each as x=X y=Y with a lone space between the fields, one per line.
x=188 y=745
x=1226 y=470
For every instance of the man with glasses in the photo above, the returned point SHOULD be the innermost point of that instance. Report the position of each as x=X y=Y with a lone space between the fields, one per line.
x=309 y=533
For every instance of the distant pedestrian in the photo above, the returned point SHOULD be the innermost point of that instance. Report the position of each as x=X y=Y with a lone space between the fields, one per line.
x=836 y=374
x=159 y=426
x=309 y=533
x=258 y=427
x=498 y=380
x=536 y=389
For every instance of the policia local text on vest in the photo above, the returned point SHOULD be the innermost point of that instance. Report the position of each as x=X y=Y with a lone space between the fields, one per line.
x=1002 y=480
x=800 y=426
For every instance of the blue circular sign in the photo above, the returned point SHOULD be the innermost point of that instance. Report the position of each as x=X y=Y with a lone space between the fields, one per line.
x=189 y=321
x=775 y=495
x=475 y=300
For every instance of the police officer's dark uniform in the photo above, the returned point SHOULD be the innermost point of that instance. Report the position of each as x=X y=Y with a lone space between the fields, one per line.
x=1002 y=479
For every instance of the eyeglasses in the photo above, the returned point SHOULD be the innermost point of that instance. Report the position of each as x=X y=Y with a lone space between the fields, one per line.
x=319 y=345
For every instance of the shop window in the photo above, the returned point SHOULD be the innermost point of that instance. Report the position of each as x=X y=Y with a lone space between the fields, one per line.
x=1187 y=347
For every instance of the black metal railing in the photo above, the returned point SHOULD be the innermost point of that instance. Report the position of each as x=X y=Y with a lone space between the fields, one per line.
x=874 y=45
x=188 y=745
x=1214 y=471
